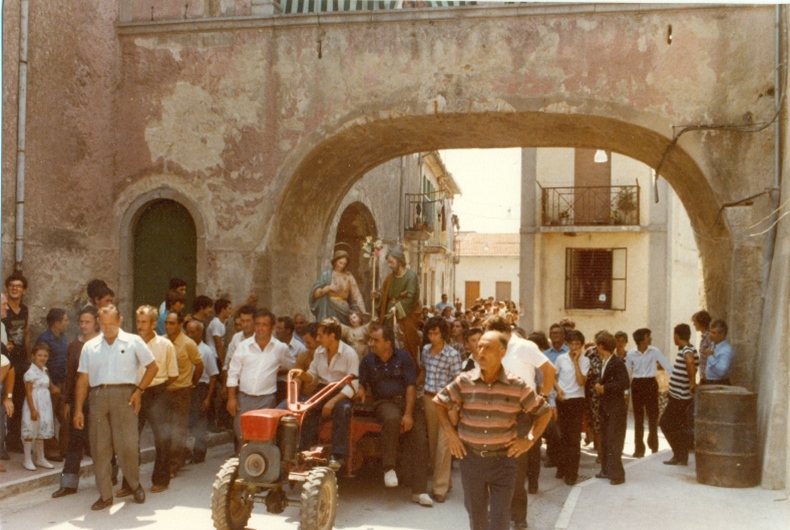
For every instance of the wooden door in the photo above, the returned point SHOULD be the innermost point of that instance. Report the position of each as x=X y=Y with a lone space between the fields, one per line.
x=591 y=179
x=165 y=246
x=472 y=293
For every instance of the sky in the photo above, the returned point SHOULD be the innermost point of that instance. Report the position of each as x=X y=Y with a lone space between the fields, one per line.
x=490 y=180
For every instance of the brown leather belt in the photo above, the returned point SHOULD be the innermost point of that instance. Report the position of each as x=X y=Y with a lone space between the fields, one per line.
x=486 y=453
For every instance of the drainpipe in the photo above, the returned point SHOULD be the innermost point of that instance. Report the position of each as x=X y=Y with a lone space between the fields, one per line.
x=776 y=195
x=20 y=144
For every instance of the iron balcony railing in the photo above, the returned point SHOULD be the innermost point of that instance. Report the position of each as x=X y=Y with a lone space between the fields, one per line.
x=421 y=217
x=590 y=205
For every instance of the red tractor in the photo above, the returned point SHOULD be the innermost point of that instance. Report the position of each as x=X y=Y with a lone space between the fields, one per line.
x=270 y=460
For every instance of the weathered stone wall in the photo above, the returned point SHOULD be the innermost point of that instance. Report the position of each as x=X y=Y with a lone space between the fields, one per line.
x=772 y=359
x=249 y=121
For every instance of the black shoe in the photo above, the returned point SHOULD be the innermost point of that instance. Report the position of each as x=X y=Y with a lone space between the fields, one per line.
x=639 y=454
x=676 y=462
x=139 y=494
x=550 y=464
x=532 y=489
x=101 y=504
x=4 y=455
x=559 y=474
x=62 y=492
x=617 y=481
x=601 y=475
x=520 y=524
x=570 y=481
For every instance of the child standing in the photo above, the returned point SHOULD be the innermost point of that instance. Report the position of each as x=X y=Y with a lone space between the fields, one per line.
x=37 y=421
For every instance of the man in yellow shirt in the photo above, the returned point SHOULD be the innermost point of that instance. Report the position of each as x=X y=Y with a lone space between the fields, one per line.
x=190 y=368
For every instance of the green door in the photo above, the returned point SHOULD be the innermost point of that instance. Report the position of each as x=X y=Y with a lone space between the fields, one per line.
x=165 y=246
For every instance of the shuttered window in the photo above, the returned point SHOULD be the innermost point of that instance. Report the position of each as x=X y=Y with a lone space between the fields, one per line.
x=595 y=278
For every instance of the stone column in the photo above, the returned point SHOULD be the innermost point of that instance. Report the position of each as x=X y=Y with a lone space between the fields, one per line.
x=658 y=290
x=529 y=162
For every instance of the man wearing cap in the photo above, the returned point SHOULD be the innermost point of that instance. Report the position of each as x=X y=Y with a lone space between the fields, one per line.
x=331 y=294
x=401 y=293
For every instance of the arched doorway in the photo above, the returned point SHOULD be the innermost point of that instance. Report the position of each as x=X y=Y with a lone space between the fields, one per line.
x=355 y=225
x=164 y=246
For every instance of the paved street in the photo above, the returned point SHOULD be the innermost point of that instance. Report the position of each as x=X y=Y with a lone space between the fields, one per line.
x=365 y=503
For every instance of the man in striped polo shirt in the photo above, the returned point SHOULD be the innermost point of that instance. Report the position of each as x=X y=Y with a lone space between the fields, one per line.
x=677 y=423
x=490 y=399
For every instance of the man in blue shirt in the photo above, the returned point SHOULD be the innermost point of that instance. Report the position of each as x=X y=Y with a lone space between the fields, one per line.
x=55 y=337
x=391 y=376
x=558 y=346
x=551 y=434
x=719 y=365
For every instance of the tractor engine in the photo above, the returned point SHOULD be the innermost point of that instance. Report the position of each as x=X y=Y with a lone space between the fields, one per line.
x=270 y=437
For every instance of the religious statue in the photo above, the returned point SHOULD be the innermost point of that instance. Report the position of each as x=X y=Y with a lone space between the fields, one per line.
x=401 y=294
x=336 y=292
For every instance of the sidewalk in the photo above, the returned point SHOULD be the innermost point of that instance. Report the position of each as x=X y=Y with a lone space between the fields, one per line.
x=656 y=496
x=18 y=479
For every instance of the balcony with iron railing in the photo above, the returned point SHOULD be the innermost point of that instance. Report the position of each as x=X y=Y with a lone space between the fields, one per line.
x=429 y=222
x=590 y=205
x=420 y=217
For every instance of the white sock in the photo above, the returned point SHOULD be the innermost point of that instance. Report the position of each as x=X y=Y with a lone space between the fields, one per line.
x=40 y=458
x=28 y=456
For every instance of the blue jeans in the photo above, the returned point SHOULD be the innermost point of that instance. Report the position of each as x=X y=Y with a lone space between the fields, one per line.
x=79 y=445
x=341 y=419
x=488 y=490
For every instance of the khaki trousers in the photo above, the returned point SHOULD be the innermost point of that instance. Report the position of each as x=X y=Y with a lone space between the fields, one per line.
x=440 y=451
x=113 y=430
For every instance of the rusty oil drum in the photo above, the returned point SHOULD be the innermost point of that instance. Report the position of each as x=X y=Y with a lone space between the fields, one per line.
x=726 y=437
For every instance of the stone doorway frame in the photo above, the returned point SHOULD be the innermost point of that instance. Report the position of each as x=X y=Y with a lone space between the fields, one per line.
x=127 y=224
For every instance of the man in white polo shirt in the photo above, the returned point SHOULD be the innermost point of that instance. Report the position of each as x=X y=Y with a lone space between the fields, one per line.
x=252 y=374
x=109 y=365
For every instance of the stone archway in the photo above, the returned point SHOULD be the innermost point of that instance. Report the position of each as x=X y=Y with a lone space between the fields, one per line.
x=357 y=223
x=340 y=158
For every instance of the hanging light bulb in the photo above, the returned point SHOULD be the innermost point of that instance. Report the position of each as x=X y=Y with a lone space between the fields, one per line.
x=600 y=156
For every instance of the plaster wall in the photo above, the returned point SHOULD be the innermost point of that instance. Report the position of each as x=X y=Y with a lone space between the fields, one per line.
x=487 y=270
x=550 y=283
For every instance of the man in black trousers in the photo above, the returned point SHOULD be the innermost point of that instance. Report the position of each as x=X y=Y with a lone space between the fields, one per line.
x=614 y=409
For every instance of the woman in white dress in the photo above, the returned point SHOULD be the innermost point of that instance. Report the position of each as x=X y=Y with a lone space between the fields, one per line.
x=38 y=422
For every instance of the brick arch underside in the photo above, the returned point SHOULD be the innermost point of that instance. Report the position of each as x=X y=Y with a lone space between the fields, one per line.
x=334 y=163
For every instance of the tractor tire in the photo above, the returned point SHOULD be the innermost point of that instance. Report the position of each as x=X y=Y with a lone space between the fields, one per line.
x=229 y=509
x=319 y=500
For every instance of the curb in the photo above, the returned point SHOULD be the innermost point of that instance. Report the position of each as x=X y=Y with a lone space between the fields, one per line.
x=51 y=478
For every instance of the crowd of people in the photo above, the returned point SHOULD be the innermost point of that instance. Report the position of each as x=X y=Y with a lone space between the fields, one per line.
x=444 y=382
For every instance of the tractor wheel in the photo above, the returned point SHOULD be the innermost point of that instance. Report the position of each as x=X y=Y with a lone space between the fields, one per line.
x=230 y=509
x=319 y=500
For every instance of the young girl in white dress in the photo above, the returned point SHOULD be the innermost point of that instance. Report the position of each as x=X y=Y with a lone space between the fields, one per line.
x=38 y=422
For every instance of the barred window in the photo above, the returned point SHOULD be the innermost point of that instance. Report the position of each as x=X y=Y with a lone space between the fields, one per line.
x=595 y=278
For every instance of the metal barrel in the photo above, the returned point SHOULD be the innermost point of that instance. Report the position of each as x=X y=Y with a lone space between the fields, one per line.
x=726 y=437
